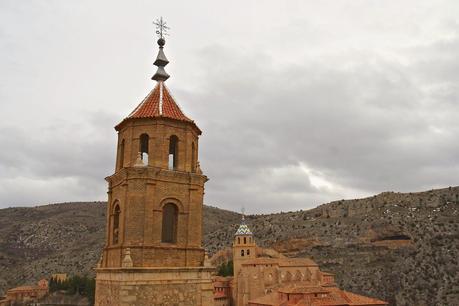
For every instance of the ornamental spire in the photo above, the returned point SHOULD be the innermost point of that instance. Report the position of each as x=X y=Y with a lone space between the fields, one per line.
x=161 y=60
x=243 y=228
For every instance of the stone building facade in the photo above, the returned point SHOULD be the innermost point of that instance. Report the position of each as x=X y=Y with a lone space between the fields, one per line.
x=26 y=294
x=222 y=290
x=153 y=253
x=262 y=280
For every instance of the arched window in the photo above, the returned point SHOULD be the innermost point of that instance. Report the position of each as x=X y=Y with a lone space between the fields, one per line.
x=116 y=224
x=121 y=155
x=248 y=252
x=238 y=240
x=144 y=140
x=173 y=152
x=245 y=240
x=193 y=158
x=169 y=228
x=242 y=252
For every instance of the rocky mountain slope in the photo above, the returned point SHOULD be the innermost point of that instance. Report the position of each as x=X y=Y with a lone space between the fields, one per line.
x=401 y=247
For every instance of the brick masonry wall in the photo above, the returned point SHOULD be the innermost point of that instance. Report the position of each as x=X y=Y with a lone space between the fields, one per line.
x=155 y=272
x=177 y=287
x=141 y=193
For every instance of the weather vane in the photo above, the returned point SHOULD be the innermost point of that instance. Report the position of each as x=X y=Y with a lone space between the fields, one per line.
x=161 y=28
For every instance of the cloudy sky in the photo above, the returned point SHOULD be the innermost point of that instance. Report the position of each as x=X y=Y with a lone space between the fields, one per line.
x=301 y=102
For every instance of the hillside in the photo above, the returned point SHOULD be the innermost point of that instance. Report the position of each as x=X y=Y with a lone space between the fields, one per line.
x=402 y=247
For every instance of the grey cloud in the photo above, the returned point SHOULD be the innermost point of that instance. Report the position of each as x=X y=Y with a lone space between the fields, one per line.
x=318 y=107
x=60 y=162
x=367 y=128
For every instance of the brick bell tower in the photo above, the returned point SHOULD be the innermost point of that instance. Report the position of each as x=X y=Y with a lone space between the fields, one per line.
x=244 y=249
x=153 y=253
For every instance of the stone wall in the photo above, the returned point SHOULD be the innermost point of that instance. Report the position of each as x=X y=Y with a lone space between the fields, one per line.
x=154 y=286
x=222 y=302
x=256 y=280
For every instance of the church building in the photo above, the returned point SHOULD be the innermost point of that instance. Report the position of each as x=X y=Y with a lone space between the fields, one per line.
x=267 y=278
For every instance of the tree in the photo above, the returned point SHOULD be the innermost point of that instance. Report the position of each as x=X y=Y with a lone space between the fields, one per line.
x=75 y=284
x=225 y=269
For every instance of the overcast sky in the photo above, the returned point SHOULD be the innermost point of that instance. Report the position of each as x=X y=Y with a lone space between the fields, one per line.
x=300 y=102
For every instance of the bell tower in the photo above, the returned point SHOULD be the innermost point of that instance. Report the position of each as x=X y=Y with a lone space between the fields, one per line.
x=244 y=249
x=154 y=212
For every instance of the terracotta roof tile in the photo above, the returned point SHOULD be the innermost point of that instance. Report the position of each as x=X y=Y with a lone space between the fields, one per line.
x=26 y=288
x=149 y=107
x=159 y=103
x=171 y=108
x=328 y=301
x=318 y=296
x=356 y=299
x=271 y=299
x=220 y=295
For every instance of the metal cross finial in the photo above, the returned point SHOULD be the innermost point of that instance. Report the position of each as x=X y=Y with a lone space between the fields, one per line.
x=161 y=27
x=243 y=213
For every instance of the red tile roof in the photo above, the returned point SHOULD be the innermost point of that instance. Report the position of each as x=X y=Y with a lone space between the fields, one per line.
x=356 y=299
x=318 y=296
x=26 y=288
x=220 y=295
x=159 y=103
x=296 y=262
x=270 y=299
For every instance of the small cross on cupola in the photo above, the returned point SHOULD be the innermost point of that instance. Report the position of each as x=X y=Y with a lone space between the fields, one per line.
x=161 y=61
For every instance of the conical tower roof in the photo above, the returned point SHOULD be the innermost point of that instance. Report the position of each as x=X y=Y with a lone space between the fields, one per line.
x=159 y=103
x=243 y=229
